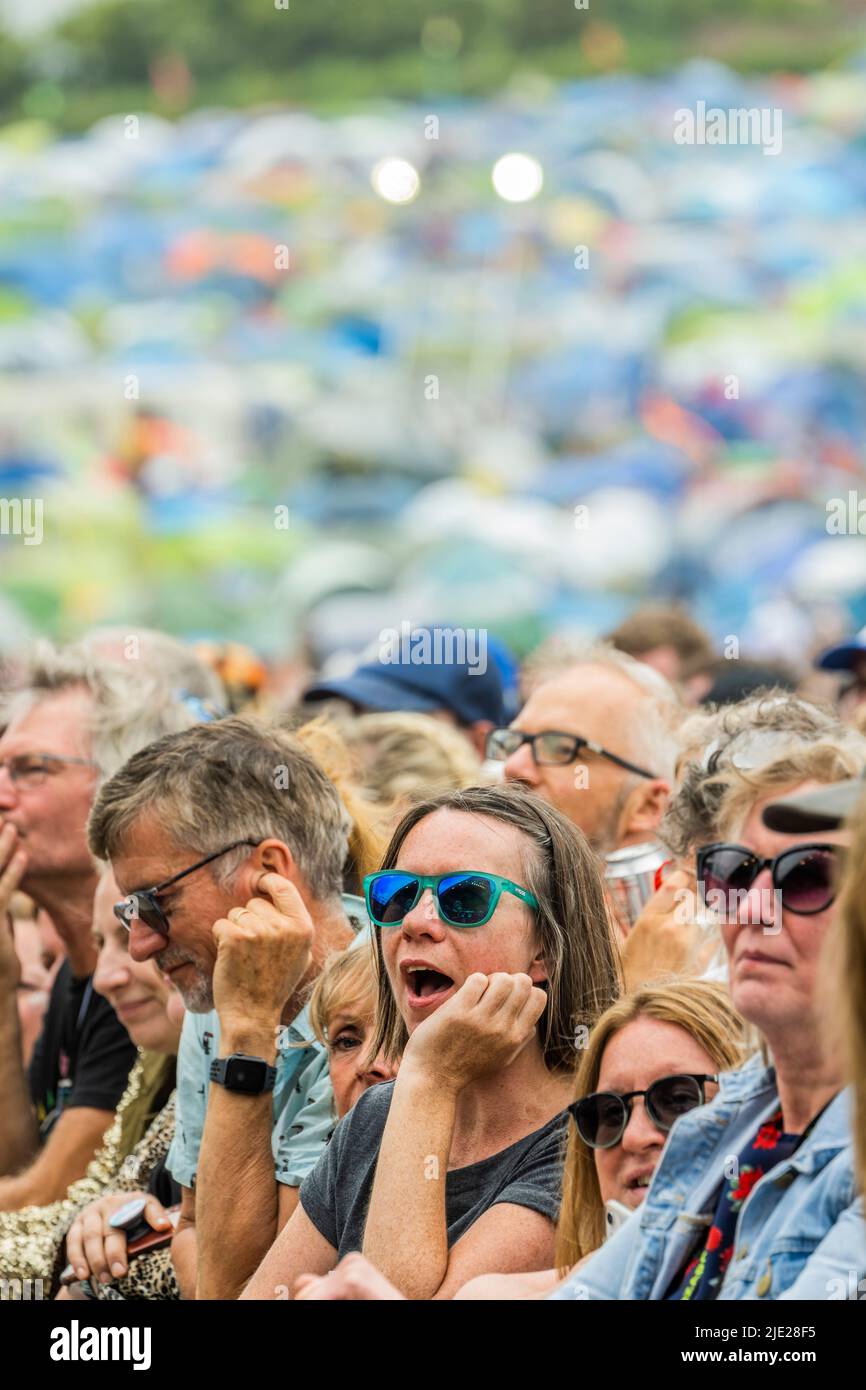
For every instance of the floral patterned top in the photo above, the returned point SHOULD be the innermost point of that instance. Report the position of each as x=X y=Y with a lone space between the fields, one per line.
x=704 y=1271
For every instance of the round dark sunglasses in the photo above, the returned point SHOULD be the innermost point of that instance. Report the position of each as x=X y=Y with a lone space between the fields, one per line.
x=804 y=875
x=602 y=1118
x=463 y=898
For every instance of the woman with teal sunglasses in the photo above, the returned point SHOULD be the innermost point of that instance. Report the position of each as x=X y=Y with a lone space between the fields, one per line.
x=463 y=899
x=494 y=956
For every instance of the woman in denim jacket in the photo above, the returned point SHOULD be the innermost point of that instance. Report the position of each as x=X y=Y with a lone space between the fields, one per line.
x=755 y=1194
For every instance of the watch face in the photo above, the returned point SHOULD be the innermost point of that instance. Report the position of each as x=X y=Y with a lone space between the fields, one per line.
x=246 y=1074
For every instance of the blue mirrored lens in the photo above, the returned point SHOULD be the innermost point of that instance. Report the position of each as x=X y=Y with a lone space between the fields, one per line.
x=392 y=896
x=465 y=898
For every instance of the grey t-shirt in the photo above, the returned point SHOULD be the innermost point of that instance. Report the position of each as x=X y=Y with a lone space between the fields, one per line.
x=336 y=1194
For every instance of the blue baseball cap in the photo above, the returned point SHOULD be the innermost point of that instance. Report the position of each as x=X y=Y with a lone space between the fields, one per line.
x=414 y=673
x=844 y=656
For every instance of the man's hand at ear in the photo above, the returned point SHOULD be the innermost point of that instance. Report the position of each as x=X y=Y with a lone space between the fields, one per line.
x=263 y=953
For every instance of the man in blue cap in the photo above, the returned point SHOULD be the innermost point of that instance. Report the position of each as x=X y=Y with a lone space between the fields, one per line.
x=441 y=671
x=848 y=657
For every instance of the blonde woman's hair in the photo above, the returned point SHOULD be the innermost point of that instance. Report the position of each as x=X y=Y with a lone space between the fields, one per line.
x=404 y=757
x=703 y=1009
x=326 y=742
x=348 y=981
x=848 y=957
x=573 y=925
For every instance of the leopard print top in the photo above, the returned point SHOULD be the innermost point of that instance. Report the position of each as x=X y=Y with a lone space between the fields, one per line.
x=151 y=1276
x=31 y=1239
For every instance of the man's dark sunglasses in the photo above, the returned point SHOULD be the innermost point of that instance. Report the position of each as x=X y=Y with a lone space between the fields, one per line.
x=602 y=1118
x=552 y=749
x=143 y=906
x=804 y=875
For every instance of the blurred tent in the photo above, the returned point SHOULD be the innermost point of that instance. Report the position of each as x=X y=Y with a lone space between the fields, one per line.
x=262 y=402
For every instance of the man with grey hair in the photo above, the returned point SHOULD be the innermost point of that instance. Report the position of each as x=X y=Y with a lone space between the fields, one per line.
x=596 y=738
x=229 y=842
x=77 y=719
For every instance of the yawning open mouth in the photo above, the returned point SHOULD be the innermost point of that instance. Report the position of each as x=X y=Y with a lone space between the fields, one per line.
x=425 y=984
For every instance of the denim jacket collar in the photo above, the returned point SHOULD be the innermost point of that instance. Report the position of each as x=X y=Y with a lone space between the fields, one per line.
x=681 y=1198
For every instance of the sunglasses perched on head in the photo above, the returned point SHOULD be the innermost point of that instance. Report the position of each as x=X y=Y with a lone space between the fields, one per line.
x=463 y=898
x=551 y=749
x=144 y=906
x=804 y=875
x=602 y=1118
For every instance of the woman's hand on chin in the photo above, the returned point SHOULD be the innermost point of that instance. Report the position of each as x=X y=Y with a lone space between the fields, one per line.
x=478 y=1031
x=353 y=1279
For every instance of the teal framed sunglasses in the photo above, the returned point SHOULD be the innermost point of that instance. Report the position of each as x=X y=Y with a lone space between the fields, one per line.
x=463 y=899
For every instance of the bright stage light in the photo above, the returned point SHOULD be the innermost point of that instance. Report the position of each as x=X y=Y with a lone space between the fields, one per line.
x=396 y=180
x=517 y=177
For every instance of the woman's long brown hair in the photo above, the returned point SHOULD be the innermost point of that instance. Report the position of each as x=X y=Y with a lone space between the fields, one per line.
x=573 y=923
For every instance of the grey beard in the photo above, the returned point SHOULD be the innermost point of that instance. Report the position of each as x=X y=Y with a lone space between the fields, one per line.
x=198 y=997
x=605 y=841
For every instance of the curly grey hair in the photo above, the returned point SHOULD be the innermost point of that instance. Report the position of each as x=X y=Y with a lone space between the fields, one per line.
x=729 y=746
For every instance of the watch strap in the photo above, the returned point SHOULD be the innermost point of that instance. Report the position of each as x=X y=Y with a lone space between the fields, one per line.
x=219 y=1067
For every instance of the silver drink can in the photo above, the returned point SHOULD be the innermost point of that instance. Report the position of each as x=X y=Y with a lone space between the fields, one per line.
x=632 y=875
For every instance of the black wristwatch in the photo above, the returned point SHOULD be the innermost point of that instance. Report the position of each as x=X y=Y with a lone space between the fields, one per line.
x=252 y=1075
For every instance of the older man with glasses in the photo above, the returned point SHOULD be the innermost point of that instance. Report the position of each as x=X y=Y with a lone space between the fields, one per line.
x=229 y=843
x=77 y=716
x=596 y=740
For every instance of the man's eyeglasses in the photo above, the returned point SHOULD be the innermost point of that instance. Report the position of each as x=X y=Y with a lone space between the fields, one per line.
x=144 y=906
x=602 y=1118
x=805 y=875
x=31 y=770
x=552 y=749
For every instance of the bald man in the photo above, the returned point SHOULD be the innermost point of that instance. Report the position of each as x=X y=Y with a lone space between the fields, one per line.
x=611 y=768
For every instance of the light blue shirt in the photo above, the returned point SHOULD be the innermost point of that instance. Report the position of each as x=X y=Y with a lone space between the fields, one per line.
x=800 y=1232
x=303 y=1109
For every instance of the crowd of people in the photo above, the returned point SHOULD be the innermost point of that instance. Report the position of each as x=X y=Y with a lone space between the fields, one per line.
x=425 y=989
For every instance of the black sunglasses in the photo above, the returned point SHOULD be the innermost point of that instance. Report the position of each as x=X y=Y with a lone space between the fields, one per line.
x=602 y=1118
x=143 y=906
x=551 y=749
x=804 y=875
